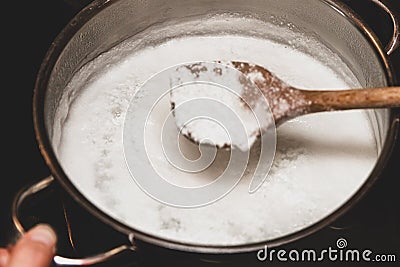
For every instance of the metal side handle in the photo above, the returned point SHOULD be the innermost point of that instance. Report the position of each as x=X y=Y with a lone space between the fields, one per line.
x=395 y=40
x=60 y=260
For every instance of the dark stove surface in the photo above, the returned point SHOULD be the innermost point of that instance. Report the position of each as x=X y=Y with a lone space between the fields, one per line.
x=372 y=224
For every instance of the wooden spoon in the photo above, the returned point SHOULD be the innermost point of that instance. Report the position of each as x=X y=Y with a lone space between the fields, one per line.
x=285 y=102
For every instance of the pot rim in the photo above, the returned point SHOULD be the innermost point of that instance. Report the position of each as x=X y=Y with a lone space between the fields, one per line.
x=48 y=154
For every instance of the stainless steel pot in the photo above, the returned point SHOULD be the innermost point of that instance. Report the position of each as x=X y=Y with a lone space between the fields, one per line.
x=105 y=23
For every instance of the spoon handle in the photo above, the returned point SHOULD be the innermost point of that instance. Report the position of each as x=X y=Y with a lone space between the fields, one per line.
x=385 y=97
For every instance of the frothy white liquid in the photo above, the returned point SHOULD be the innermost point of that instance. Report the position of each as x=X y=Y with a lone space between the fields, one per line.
x=320 y=163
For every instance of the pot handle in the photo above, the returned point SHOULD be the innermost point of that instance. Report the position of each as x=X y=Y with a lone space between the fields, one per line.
x=395 y=40
x=59 y=260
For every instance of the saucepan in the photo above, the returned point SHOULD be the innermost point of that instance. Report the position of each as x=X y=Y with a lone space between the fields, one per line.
x=104 y=23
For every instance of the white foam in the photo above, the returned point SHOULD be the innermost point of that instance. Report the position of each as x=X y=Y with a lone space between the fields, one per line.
x=321 y=160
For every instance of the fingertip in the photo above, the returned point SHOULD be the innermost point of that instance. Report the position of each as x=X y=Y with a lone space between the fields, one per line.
x=35 y=249
x=4 y=257
x=44 y=234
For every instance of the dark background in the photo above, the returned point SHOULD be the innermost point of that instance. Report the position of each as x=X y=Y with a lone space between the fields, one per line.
x=28 y=29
